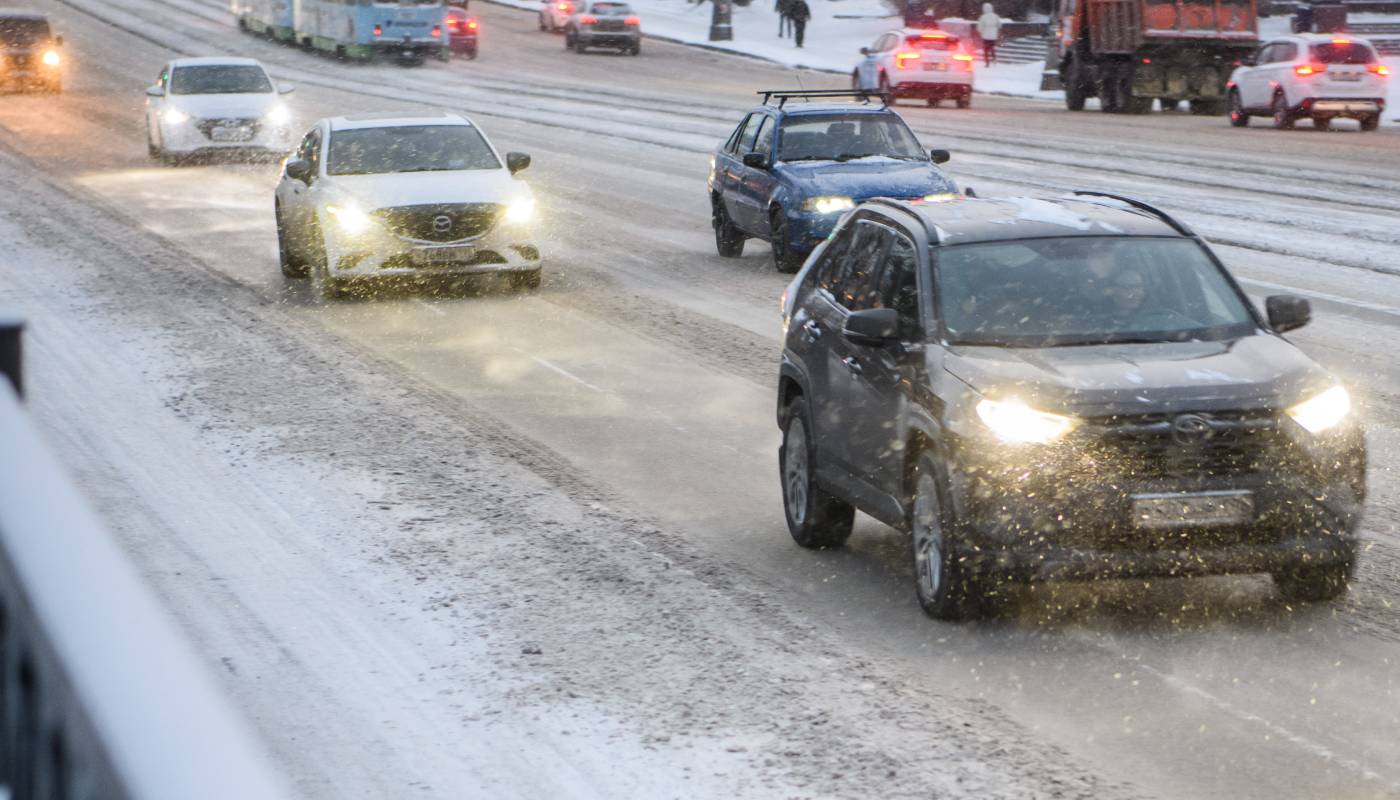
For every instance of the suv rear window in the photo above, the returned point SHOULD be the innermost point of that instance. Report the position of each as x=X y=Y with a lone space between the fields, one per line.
x=1343 y=53
x=931 y=41
x=23 y=31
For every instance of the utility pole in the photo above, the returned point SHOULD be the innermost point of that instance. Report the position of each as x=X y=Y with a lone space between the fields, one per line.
x=720 y=28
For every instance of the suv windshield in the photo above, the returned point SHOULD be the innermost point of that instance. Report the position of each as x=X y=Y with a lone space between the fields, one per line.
x=1086 y=290
x=418 y=148
x=23 y=31
x=220 y=79
x=843 y=137
x=1343 y=53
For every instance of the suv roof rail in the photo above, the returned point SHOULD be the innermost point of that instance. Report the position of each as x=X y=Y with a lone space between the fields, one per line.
x=1140 y=206
x=784 y=95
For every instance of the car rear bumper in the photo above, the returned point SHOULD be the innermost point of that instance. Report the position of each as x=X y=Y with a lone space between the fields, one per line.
x=1343 y=106
x=945 y=87
x=608 y=38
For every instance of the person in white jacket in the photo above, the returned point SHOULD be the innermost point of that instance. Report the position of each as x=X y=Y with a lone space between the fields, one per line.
x=989 y=28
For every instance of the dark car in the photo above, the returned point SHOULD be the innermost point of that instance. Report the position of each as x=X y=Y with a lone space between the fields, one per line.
x=463 y=32
x=604 y=24
x=789 y=171
x=29 y=52
x=1060 y=389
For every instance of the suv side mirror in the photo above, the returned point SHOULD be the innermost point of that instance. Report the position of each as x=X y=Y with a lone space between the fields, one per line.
x=1287 y=312
x=874 y=327
x=865 y=51
x=939 y=156
x=515 y=162
x=155 y=91
x=299 y=169
x=756 y=160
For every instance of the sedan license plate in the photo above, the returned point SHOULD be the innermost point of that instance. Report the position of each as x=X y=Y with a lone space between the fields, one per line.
x=439 y=256
x=1193 y=510
x=935 y=67
x=222 y=134
x=1344 y=76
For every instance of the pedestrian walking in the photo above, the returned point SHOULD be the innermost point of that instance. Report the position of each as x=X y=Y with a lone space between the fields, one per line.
x=989 y=28
x=799 y=13
x=783 y=7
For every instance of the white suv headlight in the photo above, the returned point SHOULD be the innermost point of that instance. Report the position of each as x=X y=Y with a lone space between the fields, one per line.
x=278 y=115
x=521 y=209
x=1322 y=411
x=1014 y=421
x=350 y=218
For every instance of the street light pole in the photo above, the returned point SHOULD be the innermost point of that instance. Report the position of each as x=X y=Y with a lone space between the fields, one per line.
x=720 y=28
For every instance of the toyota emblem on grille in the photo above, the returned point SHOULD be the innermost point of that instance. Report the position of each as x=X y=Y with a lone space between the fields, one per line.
x=1191 y=430
x=442 y=223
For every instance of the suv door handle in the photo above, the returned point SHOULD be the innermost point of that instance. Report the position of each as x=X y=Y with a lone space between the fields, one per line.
x=812 y=329
x=853 y=364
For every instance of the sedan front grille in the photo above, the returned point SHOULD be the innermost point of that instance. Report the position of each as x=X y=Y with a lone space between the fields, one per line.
x=443 y=222
x=248 y=124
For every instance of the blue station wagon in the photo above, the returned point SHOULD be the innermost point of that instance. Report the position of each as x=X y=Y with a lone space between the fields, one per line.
x=788 y=172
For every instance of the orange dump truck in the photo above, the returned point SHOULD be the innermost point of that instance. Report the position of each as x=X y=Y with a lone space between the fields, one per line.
x=1130 y=52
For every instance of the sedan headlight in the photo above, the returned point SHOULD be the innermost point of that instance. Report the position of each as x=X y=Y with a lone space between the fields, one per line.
x=278 y=115
x=1014 y=421
x=1322 y=411
x=521 y=209
x=350 y=218
x=828 y=205
x=51 y=58
x=175 y=116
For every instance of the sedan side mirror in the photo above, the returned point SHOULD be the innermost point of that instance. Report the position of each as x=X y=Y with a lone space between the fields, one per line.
x=874 y=327
x=756 y=160
x=299 y=169
x=939 y=156
x=285 y=88
x=865 y=51
x=515 y=162
x=1287 y=312
x=970 y=192
x=155 y=91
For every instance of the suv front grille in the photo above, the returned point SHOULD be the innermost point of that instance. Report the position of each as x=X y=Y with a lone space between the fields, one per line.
x=1148 y=447
x=443 y=222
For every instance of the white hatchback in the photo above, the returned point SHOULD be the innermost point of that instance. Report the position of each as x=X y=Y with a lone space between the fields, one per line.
x=201 y=105
x=392 y=196
x=1310 y=76
x=929 y=65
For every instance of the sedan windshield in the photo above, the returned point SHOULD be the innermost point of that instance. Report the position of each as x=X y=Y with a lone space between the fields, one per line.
x=220 y=79
x=1084 y=291
x=22 y=31
x=845 y=137
x=418 y=148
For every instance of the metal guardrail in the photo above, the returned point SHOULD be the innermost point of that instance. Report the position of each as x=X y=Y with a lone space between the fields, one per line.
x=100 y=698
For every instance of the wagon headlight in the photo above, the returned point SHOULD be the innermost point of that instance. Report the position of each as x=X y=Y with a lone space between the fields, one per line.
x=278 y=115
x=350 y=218
x=521 y=209
x=175 y=116
x=1014 y=421
x=828 y=205
x=1322 y=411
x=51 y=58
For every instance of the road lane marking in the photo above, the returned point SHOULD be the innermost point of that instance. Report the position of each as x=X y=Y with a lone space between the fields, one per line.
x=556 y=368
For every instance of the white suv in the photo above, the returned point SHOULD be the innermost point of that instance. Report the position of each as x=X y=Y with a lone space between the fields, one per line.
x=929 y=65
x=201 y=105
x=386 y=196
x=554 y=14
x=1310 y=75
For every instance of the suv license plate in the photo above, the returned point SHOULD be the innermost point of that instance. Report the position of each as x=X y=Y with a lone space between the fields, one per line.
x=437 y=256
x=1344 y=76
x=1193 y=510
x=935 y=67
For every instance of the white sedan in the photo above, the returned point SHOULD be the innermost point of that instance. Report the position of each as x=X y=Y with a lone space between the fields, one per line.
x=203 y=105
x=384 y=196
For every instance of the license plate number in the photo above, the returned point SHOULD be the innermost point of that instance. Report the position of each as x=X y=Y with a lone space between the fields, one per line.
x=935 y=67
x=1185 y=510
x=437 y=256
x=221 y=134
x=1345 y=76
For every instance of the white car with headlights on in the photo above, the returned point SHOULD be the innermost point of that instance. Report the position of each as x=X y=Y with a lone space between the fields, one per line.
x=207 y=105
x=407 y=197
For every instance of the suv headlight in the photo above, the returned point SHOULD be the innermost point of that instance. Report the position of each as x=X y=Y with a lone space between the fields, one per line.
x=827 y=205
x=278 y=115
x=51 y=58
x=350 y=218
x=1322 y=411
x=175 y=116
x=521 y=209
x=1014 y=421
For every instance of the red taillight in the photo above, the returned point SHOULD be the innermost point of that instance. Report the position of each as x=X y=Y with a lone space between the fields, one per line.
x=1341 y=41
x=588 y=20
x=965 y=59
x=900 y=59
x=453 y=23
x=437 y=31
x=933 y=36
x=1309 y=69
x=632 y=21
x=1378 y=69
x=378 y=31
x=1147 y=61
x=563 y=6
x=473 y=25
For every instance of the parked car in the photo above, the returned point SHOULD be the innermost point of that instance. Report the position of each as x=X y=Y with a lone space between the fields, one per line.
x=391 y=196
x=463 y=32
x=1315 y=76
x=223 y=105
x=788 y=172
x=30 y=53
x=554 y=14
x=604 y=24
x=928 y=65
x=1075 y=388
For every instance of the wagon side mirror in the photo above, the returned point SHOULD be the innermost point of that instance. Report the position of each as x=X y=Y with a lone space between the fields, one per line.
x=515 y=162
x=1287 y=312
x=939 y=156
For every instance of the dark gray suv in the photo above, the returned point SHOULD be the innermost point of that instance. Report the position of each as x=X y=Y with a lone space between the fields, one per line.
x=1075 y=388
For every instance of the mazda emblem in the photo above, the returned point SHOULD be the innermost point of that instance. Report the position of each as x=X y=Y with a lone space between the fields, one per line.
x=1190 y=430
x=442 y=223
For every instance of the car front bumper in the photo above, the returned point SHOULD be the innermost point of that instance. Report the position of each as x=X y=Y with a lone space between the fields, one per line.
x=198 y=136
x=378 y=253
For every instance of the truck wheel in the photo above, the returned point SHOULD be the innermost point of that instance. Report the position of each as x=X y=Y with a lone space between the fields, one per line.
x=946 y=585
x=1322 y=123
x=729 y=240
x=965 y=101
x=1138 y=105
x=815 y=518
x=1109 y=101
x=1074 y=82
x=1283 y=117
x=1206 y=107
x=1167 y=103
x=1237 y=116
x=1370 y=122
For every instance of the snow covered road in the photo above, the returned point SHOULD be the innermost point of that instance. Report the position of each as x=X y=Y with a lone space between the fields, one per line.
x=532 y=546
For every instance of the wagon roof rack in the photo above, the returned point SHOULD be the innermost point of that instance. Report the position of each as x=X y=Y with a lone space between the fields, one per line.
x=784 y=95
x=1140 y=206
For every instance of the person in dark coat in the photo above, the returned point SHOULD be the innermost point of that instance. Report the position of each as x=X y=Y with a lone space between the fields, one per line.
x=784 y=19
x=800 y=13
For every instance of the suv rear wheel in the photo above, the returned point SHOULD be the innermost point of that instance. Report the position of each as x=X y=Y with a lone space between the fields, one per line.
x=947 y=586
x=1238 y=118
x=815 y=518
x=1283 y=117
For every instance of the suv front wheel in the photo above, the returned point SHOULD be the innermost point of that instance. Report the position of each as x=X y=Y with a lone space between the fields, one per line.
x=947 y=585
x=815 y=518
